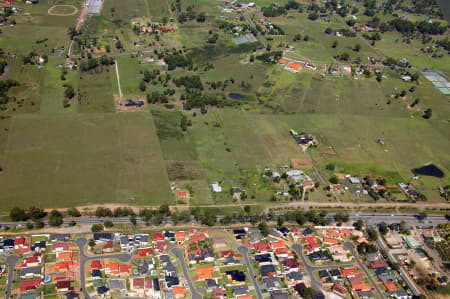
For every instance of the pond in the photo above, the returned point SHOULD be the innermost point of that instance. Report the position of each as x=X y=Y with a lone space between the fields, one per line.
x=236 y=96
x=430 y=170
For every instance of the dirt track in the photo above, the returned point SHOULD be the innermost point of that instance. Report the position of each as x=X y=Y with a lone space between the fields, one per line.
x=62 y=14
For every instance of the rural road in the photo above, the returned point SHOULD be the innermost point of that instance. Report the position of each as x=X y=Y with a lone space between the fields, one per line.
x=178 y=252
x=81 y=243
x=244 y=251
x=11 y=261
x=351 y=247
x=118 y=79
x=252 y=25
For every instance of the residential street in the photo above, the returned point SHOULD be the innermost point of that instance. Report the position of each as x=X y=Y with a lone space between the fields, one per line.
x=409 y=281
x=81 y=242
x=244 y=251
x=351 y=247
x=178 y=252
x=11 y=260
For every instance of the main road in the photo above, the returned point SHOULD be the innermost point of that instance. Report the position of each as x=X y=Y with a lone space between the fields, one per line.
x=368 y=218
x=81 y=243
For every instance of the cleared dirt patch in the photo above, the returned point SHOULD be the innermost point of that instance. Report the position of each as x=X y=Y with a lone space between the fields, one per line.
x=301 y=163
x=327 y=151
x=340 y=176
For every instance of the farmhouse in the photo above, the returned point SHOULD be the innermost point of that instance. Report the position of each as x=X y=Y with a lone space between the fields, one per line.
x=295 y=68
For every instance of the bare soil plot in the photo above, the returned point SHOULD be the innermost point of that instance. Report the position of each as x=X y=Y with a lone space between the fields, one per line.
x=301 y=163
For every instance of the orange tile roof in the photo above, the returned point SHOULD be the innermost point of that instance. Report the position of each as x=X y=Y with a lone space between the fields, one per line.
x=244 y=297
x=180 y=236
x=390 y=286
x=64 y=256
x=281 y=61
x=125 y=269
x=278 y=244
x=361 y=286
x=204 y=273
x=113 y=268
x=294 y=66
x=63 y=266
x=330 y=240
x=177 y=290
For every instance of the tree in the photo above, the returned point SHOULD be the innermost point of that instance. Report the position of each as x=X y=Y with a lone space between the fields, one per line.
x=36 y=213
x=142 y=85
x=334 y=179
x=133 y=220
x=330 y=166
x=334 y=45
x=373 y=235
x=306 y=293
x=183 y=123
x=95 y=228
x=359 y=225
x=38 y=224
x=73 y=212
x=427 y=113
x=72 y=32
x=29 y=225
x=247 y=209
x=119 y=44
x=18 y=214
x=108 y=224
x=383 y=229
x=357 y=48
x=69 y=92
x=263 y=228
x=72 y=223
x=313 y=16
x=55 y=218
x=201 y=17
x=423 y=215
x=164 y=209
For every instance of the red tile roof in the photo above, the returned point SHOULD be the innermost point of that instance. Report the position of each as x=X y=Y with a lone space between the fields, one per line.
x=145 y=252
x=158 y=237
x=96 y=264
x=26 y=285
x=197 y=237
x=261 y=247
x=339 y=289
x=378 y=264
x=348 y=271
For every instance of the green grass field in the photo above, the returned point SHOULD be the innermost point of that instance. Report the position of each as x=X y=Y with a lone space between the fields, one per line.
x=36 y=30
x=62 y=161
